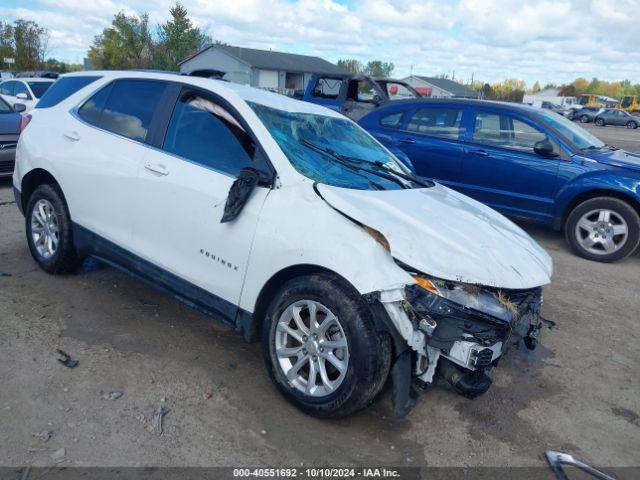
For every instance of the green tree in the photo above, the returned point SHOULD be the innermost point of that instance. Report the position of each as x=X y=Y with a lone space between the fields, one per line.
x=177 y=39
x=536 y=87
x=126 y=44
x=350 y=65
x=377 y=68
x=30 y=42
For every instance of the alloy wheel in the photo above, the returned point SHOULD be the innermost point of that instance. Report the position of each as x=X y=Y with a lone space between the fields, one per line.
x=311 y=348
x=44 y=228
x=602 y=231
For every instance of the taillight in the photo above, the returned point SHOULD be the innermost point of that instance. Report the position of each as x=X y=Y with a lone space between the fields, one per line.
x=24 y=121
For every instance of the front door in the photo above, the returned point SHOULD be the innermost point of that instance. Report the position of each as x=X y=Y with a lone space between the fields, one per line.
x=184 y=188
x=502 y=170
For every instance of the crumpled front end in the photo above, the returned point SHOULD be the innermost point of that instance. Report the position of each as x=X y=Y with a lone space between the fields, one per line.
x=455 y=333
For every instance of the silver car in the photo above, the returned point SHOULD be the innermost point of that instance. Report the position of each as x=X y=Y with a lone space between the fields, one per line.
x=614 y=116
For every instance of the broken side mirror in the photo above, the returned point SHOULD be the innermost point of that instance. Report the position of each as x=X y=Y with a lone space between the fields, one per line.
x=246 y=180
x=545 y=148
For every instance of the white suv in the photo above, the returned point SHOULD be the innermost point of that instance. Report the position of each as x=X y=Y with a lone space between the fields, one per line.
x=287 y=222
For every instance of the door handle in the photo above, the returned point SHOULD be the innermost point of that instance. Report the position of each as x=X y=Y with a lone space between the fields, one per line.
x=406 y=140
x=72 y=135
x=480 y=153
x=159 y=169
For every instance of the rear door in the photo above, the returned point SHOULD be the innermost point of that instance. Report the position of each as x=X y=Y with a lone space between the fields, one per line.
x=183 y=190
x=501 y=168
x=6 y=91
x=100 y=152
x=430 y=137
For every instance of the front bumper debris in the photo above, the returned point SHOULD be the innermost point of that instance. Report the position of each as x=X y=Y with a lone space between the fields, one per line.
x=455 y=344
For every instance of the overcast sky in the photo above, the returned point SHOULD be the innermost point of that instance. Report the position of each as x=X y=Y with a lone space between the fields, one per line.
x=550 y=41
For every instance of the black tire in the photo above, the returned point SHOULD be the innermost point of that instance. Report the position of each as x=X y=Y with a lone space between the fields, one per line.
x=621 y=208
x=632 y=125
x=65 y=259
x=369 y=352
x=599 y=122
x=584 y=119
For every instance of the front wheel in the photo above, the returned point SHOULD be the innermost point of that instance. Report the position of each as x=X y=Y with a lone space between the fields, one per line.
x=321 y=347
x=604 y=229
x=49 y=233
x=632 y=125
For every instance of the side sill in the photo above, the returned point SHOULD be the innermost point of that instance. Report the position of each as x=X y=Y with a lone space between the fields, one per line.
x=89 y=243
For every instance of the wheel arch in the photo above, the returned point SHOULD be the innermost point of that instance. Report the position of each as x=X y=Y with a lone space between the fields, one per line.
x=253 y=331
x=31 y=181
x=589 y=194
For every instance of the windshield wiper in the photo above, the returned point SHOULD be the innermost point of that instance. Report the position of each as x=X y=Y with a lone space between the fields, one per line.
x=349 y=163
x=406 y=176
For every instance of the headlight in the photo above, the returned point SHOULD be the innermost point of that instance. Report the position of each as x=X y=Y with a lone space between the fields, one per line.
x=475 y=297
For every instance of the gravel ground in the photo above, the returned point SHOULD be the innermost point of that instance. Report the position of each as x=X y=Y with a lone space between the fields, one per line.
x=620 y=137
x=579 y=392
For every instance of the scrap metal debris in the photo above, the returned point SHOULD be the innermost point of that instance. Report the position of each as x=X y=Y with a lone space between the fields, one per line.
x=66 y=360
x=114 y=395
x=43 y=436
x=158 y=415
x=557 y=459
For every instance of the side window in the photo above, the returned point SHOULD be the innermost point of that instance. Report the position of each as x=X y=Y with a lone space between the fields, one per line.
x=7 y=88
x=91 y=110
x=506 y=132
x=130 y=107
x=62 y=89
x=327 y=88
x=21 y=88
x=204 y=132
x=437 y=122
x=392 y=121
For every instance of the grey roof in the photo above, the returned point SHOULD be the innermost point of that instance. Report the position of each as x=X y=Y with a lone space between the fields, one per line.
x=450 y=86
x=268 y=59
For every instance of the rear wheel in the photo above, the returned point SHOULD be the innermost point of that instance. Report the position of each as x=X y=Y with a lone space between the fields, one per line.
x=632 y=125
x=321 y=347
x=604 y=229
x=584 y=119
x=599 y=122
x=49 y=233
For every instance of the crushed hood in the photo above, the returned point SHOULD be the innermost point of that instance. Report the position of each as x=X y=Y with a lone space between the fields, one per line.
x=447 y=235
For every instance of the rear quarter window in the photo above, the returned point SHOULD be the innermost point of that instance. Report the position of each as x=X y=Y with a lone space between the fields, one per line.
x=64 y=88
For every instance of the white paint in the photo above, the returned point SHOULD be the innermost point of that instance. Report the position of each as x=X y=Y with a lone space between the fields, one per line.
x=447 y=235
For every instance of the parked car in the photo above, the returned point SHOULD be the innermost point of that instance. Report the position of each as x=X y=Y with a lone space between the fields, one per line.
x=9 y=130
x=355 y=95
x=585 y=114
x=614 y=116
x=286 y=221
x=24 y=90
x=560 y=110
x=525 y=163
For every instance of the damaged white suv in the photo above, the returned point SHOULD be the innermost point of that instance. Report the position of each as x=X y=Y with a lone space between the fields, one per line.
x=286 y=221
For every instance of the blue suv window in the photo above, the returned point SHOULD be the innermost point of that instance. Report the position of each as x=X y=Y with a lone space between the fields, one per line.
x=437 y=122
x=204 y=132
x=62 y=89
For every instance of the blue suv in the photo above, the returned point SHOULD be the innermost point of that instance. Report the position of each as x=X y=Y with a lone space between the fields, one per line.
x=524 y=162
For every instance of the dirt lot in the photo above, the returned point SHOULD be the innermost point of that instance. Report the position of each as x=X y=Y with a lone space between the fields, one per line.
x=578 y=392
